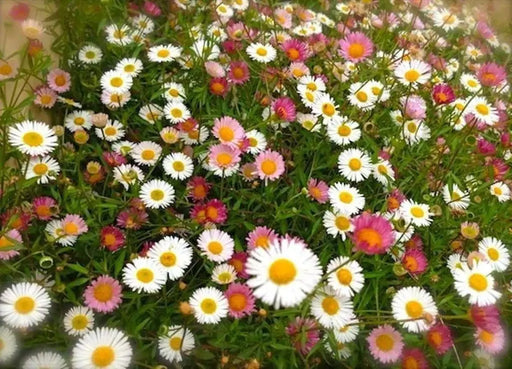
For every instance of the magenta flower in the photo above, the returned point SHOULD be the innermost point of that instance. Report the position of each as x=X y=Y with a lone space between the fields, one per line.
x=44 y=207
x=284 y=108
x=19 y=12
x=492 y=342
x=491 y=74
x=414 y=261
x=356 y=47
x=443 y=94
x=112 y=238
x=238 y=72
x=238 y=260
x=318 y=190
x=372 y=234
x=439 y=338
x=260 y=237
x=103 y=295
x=485 y=317
x=240 y=300
x=414 y=358
x=295 y=50
x=150 y=8
x=304 y=334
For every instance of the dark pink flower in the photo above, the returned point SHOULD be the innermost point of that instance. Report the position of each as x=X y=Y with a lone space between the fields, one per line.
x=372 y=234
x=414 y=358
x=485 y=317
x=219 y=86
x=238 y=72
x=439 y=337
x=240 y=300
x=114 y=159
x=414 y=261
x=198 y=188
x=304 y=334
x=238 y=260
x=284 y=108
x=19 y=12
x=443 y=94
x=150 y=8
x=485 y=147
x=112 y=238
x=295 y=50
x=318 y=190
x=491 y=74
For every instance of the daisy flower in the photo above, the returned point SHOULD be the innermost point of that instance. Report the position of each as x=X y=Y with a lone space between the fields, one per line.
x=55 y=229
x=59 y=80
x=485 y=317
x=361 y=96
x=157 y=194
x=413 y=72
x=115 y=100
x=414 y=303
x=9 y=239
x=263 y=53
x=483 y=110
x=151 y=113
x=216 y=245
x=223 y=274
x=176 y=342
x=295 y=50
x=385 y=344
x=174 y=91
x=439 y=337
x=128 y=174
x=223 y=159
x=144 y=275
x=269 y=165
x=178 y=165
x=90 y=54
x=238 y=72
x=455 y=198
x=32 y=138
x=501 y=191
x=209 y=305
x=103 y=295
x=373 y=234
x=261 y=237
x=24 y=305
x=345 y=276
x=118 y=35
x=240 y=300
x=337 y=223
x=130 y=66
x=78 y=321
x=6 y=70
x=284 y=109
x=356 y=47
x=492 y=342
x=116 y=81
x=44 y=168
x=414 y=131
x=79 y=119
x=176 y=112
x=229 y=131
x=414 y=358
x=383 y=172
x=146 y=153
x=8 y=345
x=74 y=225
x=343 y=132
x=414 y=261
x=102 y=348
x=205 y=49
x=492 y=74
x=163 y=53
x=309 y=122
x=45 y=96
x=331 y=310
x=318 y=190
x=325 y=106
x=496 y=253
x=45 y=359
x=445 y=19
x=477 y=283
x=415 y=213
x=347 y=333
x=354 y=164
x=345 y=198
x=284 y=273
x=257 y=141
x=112 y=131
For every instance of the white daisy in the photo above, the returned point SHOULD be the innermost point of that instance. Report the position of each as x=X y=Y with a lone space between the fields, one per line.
x=123 y=147
x=173 y=254
x=216 y=245
x=224 y=11
x=151 y=113
x=157 y=194
x=24 y=305
x=342 y=350
x=325 y=106
x=115 y=100
x=383 y=172
x=496 y=253
x=307 y=96
x=342 y=131
x=79 y=119
x=32 y=138
x=415 y=213
x=414 y=303
x=312 y=83
x=8 y=345
x=413 y=72
x=118 y=35
x=414 y=131
x=90 y=54
x=455 y=198
x=284 y=273
x=345 y=276
x=174 y=91
x=354 y=164
x=56 y=231
x=194 y=136
x=361 y=96
x=146 y=153
x=224 y=274
x=116 y=81
x=45 y=360
x=130 y=66
x=309 y=122
x=346 y=198
x=337 y=223
x=470 y=82
x=112 y=131
x=477 y=283
x=455 y=261
x=169 y=135
x=209 y=305
x=143 y=23
x=143 y=274
x=257 y=141
x=176 y=112
x=128 y=174
x=163 y=53
x=78 y=320
x=347 y=333
x=175 y=343
x=483 y=110
x=178 y=165
x=331 y=310
x=106 y=348
x=445 y=19
x=263 y=53
x=43 y=168
x=205 y=49
x=501 y=191
x=377 y=89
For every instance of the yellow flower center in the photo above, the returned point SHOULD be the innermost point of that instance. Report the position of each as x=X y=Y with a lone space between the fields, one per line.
x=116 y=81
x=282 y=271
x=147 y=154
x=356 y=50
x=145 y=275
x=472 y=83
x=60 y=80
x=328 y=109
x=362 y=96
x=414 y=309
x=40 y=169
x=168 y=259
x=224 y=159
x=344 y=130
x=110 y=131
x=237 y=301
x=79 y=322
x=5 y=69
x=344 y=276
x=24 y=305
x=293 y=53
x=311 y=86
x=215 y=247
x=175 y=343
x=261 y=51
x=382 y=169
x=417 y=212
x=497 y=191
x=478 y=282
x=346 y=197
x=129 y=68
x=178 y=166
x=71 y=228
x=370 y=236
x=90 y=54
x=330 y=305
x=164 y=53
x=157 y=195
x=103 y=292
x=493 y=254
x=268 y=167
x=176 y=113
x=103 y=356
x=410 y=363
x=226 y=133
x=412 y=127
x=208 y=306
x=412 y=75
x=342 y=223
x=482 y=109
x=224 y=277
x=486 y=336
x=354 y=164
x=385 y=342
x=33 y=139
x=4 y=242
x=45 y=99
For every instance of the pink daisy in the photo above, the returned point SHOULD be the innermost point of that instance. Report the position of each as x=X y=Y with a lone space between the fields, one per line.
x=223 y=156
x=103 y=295
x=19 y=12
x=214 y=69
x=114 y=159
x=318 y=190
x=150 y=8
x=419 y=3
x=492 y=342
x=238 y=261
x=297 y=70
x=260 y=237
x=269 y=164
x=415 y=243
x=395 y=198
x=228 y=130
x=132 y=218
x=414 y=358
x=485 y=317
x=443 y=94
x=7 y=240
x=296 y=51
x=219 y=86
x=414 y=106
x=59 y=80
x=45 y=97
x=283 y=18
x=373 y=234
x=385 y=344
x=491 y=74
x=356 y=47
x=44 y=207
x=304 y=334
x=238 y=72
x=74 y=225
x=414 y=261
x=198 y=188
x=112 y=238
x=16 y=218
x=240 y=300
x=284 y=108
x=439 y=337
x=216 y=211
x=248 y=171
